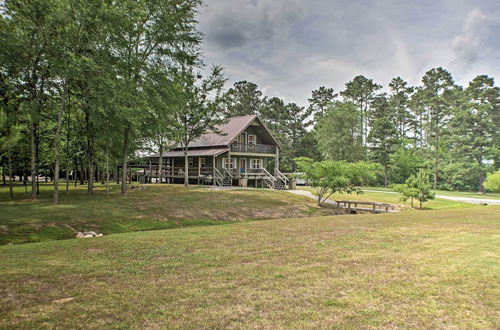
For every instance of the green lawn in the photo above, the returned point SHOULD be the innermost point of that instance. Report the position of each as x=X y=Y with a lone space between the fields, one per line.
x=156 y=207
x=419 y=269
x=370 y=196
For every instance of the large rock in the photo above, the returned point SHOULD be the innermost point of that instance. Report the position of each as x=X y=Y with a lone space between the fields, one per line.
x=80 y=235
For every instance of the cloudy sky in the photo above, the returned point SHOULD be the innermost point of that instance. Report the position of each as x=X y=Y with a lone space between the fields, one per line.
x=290 y=47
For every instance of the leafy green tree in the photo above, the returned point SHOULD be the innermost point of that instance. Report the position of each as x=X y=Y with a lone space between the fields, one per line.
x=148 y=33
x=492 y=182
x=244 y=98
x=361 y=92
x=330 y=177
x=197 y=110
x=475 y=124
x=405 y=162
x=338 y=134
x=288 y=123
x=26 y=40
x=399 y=102
x=437 y=93
x=416 y=187
x=383 y=138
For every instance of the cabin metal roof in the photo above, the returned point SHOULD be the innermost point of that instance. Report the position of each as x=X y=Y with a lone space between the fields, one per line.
x=230 y=131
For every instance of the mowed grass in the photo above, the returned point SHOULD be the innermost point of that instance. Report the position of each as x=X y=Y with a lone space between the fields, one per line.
x=420 y=269
x=157 y=207
x=465 y=194
x=382 y=197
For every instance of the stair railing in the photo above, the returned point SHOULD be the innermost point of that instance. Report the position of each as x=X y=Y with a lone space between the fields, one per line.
x=219 y=178
x=270 y=180
x=281 y=176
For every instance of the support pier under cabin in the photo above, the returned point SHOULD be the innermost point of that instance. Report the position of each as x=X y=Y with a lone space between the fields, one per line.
x=244 y=154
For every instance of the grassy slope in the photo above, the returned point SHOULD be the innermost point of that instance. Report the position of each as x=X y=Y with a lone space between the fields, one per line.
x=156 y=207
x=423 y=269
x=436 y=204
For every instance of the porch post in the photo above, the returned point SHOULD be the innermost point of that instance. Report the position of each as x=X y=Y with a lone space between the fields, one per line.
x=199 y=169
x=213 y=170
x=173 y=169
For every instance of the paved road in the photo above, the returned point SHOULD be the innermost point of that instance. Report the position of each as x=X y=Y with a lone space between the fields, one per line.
x=453 y=198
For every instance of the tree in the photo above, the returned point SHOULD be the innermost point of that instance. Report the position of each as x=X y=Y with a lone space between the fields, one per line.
x=383 y=136
x=399 y=100
x=492 y=182
x=149 y=33
x=197 y=109
x=288 y=123
x=244 y=98
x=405 y=162
x=437 y=92
x=361 y=92
x=330 y=177
x=475 y=123
x=416 y=186
x=319 y=101
x=338 y=134
x=26 y=39
x=161 y=95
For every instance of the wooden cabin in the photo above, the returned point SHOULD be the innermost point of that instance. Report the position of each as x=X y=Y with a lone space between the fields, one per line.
x=244 y=154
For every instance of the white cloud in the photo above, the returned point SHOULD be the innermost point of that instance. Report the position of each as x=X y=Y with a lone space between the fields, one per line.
x=469 y=43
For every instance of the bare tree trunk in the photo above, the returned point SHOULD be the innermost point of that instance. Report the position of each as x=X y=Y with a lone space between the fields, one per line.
x=186 y=168
x=107 y=170
x=125 y=161
x=117 y=173
x=481 y=181
x=385 y=176
x=160 y=163
x=33 y=162
x=90 y=173
x=67 y=177
x=11 y=183
x=56 y=148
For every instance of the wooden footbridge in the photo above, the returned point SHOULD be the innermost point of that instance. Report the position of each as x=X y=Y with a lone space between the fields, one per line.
x=373 y=207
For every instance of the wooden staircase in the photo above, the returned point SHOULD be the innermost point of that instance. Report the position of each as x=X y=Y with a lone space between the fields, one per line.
x=223 y=180
x=281 y=180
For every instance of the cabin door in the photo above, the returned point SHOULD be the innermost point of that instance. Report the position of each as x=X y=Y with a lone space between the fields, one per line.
x=243 y=165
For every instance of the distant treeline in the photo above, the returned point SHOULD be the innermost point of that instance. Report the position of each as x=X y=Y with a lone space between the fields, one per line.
x=452 y=131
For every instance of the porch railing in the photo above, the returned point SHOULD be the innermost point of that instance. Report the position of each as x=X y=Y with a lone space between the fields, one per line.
x=253 y=148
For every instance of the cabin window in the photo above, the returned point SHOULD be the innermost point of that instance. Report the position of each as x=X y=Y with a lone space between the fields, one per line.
x=202 y=161
x=228 y=163
x=256 y=164
x=190 y=161
x=168 y=161
x=251 y=139
x=242 y=138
